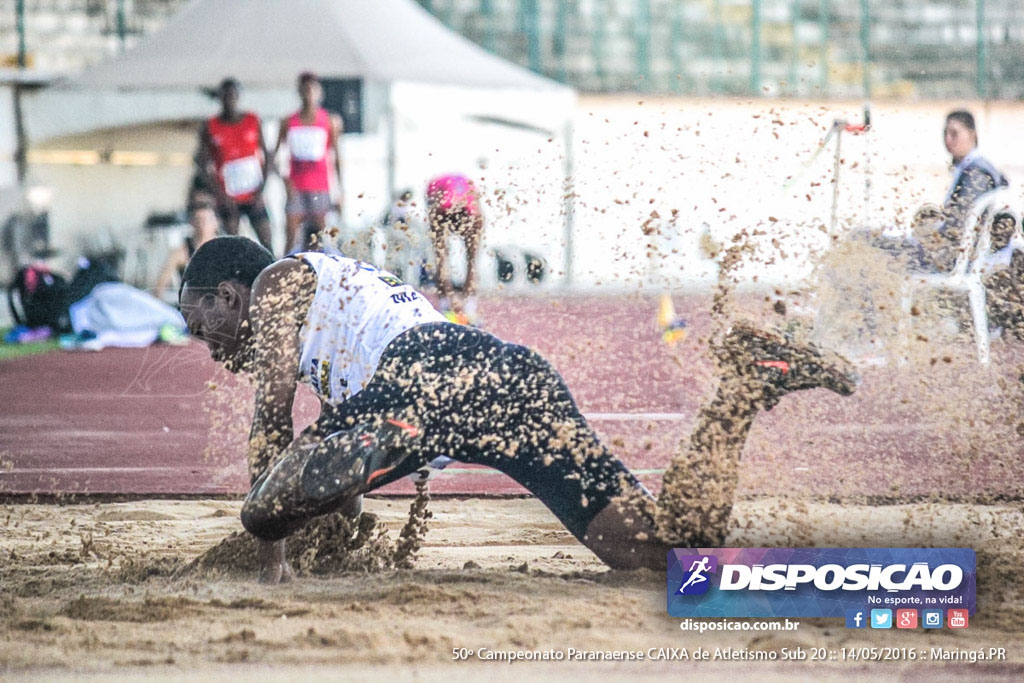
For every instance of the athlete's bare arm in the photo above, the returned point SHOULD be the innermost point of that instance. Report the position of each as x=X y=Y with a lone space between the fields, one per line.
x=204 y=155
x=280 y=299
x=266 y=162
x=334 y=142
x=275 y=327
x=178 y=258
x=282 y=137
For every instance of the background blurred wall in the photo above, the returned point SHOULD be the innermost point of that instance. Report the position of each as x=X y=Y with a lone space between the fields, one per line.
x=650 y=176
x=719 y=163
x=912 y=48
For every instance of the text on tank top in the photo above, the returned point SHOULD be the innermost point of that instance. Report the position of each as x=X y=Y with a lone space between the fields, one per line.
x=356 y=312
x=307 y=146
x=237 y=155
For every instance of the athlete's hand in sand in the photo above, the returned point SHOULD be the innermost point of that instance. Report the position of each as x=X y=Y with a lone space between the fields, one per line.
x=274 y=567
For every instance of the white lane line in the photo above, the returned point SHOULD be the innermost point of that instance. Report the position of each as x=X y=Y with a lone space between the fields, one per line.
x=489 y=471
x=45 y=470
x=71 y=470
x=625 y=417
x=936 y=427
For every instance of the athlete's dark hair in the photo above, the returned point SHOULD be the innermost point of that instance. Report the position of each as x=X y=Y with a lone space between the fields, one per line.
x=966 y=118
x=225 y=259
x=229 y=82
x=308 y=77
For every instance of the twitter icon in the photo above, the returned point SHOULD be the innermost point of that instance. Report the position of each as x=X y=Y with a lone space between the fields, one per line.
x=881 y=618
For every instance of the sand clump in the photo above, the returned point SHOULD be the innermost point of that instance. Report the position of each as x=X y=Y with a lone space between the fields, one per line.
x=87 y=608
x=330 y=544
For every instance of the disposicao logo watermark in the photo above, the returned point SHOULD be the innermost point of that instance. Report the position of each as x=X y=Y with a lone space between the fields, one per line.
x=696 y=580
x=818 y=582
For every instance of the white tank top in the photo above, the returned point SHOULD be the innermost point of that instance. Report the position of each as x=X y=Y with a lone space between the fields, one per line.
x=356 y=312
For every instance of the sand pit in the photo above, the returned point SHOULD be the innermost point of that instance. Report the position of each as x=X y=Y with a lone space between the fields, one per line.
x=331 y=544
x=100 y=588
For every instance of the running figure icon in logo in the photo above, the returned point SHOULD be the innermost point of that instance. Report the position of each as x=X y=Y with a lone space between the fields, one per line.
x=697 y=581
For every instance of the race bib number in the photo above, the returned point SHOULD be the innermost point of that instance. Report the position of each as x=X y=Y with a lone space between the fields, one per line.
x=307 y=143
x=242 y=176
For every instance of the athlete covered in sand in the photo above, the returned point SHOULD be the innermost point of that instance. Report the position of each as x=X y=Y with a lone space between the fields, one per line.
x=453 y=209
x=399 y=385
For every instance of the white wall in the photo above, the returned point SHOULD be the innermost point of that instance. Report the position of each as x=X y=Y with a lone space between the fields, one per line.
x=8 y=140
x=98 y=203
x=715 y=161
x=719 y=162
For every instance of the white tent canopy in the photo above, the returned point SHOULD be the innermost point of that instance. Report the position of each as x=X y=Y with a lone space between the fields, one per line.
x=266 y=43
x=421 y=81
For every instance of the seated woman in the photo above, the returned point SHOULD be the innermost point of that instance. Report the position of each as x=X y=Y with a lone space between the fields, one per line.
x=203 y=218
x=939 y=229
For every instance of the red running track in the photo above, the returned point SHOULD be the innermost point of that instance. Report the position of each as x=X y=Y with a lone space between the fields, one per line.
x=168 y=421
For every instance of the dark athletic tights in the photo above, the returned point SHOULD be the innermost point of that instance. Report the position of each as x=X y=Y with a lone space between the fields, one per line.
x=476 y=399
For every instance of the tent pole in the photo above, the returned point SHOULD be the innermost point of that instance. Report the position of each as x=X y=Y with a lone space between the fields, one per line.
x=122 y=25
x=19 y=20
x=390 y=142
x=340 y=151
x=21 y=140
x=20 y=137
x=568 y=199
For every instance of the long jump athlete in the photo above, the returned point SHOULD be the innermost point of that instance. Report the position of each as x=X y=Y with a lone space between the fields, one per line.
x=399 y=385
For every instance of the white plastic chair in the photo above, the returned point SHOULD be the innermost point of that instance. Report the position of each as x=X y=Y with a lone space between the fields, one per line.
x=968 y=271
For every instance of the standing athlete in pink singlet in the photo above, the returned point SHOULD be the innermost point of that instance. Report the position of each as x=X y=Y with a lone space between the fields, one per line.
x=453 y=207
x=310 y=133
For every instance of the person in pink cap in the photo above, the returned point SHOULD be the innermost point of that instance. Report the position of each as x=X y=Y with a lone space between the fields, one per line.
x=311 y=135
x=453 y=208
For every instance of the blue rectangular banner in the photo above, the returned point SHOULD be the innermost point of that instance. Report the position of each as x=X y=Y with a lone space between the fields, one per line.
x=820 y=582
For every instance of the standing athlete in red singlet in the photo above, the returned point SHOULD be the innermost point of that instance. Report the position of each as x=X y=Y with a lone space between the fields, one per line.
x=453 y=207
x=233 y=156
x=310 y=133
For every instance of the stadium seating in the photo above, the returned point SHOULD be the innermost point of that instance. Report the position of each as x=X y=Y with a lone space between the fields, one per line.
x=922 y=48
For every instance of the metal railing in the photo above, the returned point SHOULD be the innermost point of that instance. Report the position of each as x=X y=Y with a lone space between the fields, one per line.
x=926 y=48
x=820 y=48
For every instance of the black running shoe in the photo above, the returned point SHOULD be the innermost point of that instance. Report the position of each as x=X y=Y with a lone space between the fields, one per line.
x=357 y=460
x=784 y=364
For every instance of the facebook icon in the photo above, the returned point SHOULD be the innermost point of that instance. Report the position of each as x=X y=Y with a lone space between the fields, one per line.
x=855 y=618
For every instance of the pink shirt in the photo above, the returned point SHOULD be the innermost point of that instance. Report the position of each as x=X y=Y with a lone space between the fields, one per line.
x=453 y=191
x=307 y=145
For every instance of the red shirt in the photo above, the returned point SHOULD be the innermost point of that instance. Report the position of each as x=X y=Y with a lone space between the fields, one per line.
x=308 y=144
x=237 y=155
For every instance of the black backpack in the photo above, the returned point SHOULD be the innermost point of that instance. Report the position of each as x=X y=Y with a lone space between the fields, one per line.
x=37 y=297
x=90 y=272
